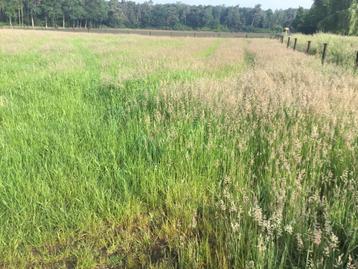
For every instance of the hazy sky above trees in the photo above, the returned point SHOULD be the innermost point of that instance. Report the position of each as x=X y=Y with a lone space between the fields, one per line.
x=266 y=4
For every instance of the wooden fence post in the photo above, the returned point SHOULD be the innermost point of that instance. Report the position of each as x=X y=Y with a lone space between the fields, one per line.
x=295 y=44
x=356 y=65
x=288 y=42
x=324 y=53
x=282 y=39
x=308 y=47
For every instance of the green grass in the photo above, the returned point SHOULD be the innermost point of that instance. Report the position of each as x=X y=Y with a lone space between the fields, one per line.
x=211 y=50
x=100 y=173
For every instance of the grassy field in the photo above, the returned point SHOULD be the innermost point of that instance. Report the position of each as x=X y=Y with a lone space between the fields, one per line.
x=341 y=50
x=158 y=152
x=148 y=32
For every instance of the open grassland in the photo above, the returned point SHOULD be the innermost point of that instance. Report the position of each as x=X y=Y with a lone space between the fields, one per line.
x=341 y=50
x=148 y=32
x=159 y=152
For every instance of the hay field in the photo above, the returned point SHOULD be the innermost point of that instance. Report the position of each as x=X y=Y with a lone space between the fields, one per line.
x=160 y=152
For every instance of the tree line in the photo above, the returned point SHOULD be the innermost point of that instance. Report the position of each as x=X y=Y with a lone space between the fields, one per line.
x=115 y=13
x=336 y=16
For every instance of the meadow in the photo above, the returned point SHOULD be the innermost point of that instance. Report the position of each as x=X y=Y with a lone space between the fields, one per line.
x=341 y=50
x=126 y=151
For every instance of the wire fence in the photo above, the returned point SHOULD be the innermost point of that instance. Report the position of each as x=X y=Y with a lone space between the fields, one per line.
x=322 y=50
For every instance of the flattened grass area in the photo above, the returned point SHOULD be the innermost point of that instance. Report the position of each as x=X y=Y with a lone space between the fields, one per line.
x=132 y=151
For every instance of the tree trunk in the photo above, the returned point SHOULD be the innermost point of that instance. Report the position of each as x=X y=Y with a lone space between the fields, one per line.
x=19 y=16
x=10 y=21
x=32 y=21
x=46 y=25
x=63 y=22
x=22 y=16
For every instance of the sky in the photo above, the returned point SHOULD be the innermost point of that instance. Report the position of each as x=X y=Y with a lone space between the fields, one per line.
x=266 y=4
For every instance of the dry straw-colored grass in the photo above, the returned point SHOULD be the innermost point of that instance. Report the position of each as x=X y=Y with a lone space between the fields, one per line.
x=280 y=78
x=296 y=104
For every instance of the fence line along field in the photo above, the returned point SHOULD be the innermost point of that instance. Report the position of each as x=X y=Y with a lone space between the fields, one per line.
x=341 y=50
x=126 y=151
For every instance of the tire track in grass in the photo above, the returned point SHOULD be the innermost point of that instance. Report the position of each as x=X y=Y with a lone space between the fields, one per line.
x=249 y=57
x=210 y=51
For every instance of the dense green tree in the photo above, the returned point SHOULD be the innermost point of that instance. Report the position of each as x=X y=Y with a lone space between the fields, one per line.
x=337 y=16
x=10 y=8
x=74 y=12
x=77 y=14
x=121 y=13
x=115 y=14
x=34 y=10
x=52 y=11
x=145 y=14
x=232 y=19
x=131 y=14
x=256 y=16
x=299 y=22
x=353 y=22
x=95 y=12
x=268 y=21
